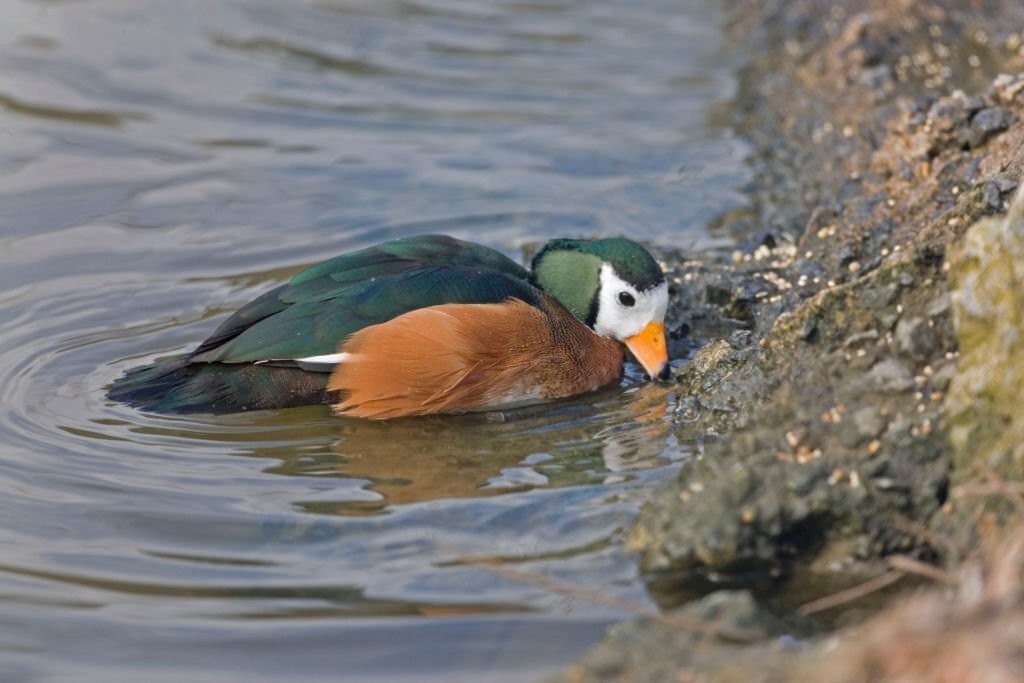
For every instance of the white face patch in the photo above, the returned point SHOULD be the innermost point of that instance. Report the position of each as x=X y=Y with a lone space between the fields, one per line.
x=619 y=320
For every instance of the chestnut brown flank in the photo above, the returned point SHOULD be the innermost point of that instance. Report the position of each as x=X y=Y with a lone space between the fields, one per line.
x=463 y=357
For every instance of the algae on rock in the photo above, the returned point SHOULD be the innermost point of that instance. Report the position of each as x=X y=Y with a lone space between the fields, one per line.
x=984 y=403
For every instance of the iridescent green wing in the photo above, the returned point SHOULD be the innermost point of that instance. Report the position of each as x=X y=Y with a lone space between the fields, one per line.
x=323 y=305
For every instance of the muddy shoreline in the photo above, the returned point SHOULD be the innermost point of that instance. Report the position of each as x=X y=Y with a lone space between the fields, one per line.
x=850 y=377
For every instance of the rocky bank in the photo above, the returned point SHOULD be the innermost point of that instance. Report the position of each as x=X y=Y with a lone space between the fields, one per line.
x=858 y=363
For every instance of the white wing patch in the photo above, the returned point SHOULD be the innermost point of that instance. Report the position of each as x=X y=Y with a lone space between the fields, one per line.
x=323 y=363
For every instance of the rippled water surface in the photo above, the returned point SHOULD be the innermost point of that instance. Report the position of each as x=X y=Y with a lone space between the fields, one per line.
x=163 y=163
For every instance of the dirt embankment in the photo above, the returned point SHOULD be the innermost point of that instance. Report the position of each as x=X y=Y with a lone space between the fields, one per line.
x=860 y=362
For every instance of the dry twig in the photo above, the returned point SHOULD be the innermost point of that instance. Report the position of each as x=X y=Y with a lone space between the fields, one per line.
x=850 y=594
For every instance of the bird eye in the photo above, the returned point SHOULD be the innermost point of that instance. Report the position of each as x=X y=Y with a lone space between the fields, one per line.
x=626 y=299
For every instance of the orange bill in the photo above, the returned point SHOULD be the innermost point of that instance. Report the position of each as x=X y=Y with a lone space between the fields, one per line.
x=650 y=350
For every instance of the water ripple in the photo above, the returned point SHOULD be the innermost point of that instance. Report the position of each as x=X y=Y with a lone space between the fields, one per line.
x=167 y=162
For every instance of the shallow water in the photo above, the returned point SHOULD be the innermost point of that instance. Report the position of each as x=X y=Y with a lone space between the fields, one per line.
x=162 y=164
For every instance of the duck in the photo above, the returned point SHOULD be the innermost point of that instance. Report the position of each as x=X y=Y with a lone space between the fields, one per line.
x=425 y=325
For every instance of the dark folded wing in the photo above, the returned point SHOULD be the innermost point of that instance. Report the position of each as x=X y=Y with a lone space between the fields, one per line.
x=323 y=305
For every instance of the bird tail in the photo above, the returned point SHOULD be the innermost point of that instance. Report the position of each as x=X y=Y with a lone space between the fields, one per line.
x=177 y=385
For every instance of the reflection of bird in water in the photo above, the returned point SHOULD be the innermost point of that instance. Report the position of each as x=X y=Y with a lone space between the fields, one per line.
x=410 y=461
x=635 y=444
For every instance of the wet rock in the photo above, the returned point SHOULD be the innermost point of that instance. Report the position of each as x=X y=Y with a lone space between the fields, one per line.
x=850 y=349
x=719 y=387
x=654 y=651
x=969 y=629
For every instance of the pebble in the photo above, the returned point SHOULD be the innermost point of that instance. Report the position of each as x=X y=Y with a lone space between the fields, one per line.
x=988 y=123
x=939 y=307
x=915 y=339
x=943 y=376
x=890 y=375
x=878 y=79
x=1006 y=87
x=992 y=198
x=862 y=426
